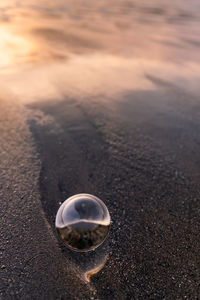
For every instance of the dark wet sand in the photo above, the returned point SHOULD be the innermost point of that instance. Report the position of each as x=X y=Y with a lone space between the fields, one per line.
x=141 y=156
x=32 y=265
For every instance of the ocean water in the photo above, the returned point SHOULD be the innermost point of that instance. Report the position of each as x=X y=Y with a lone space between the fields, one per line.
x=86 y=48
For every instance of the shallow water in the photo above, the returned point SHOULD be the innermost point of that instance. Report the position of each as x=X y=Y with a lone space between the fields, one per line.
x=85 y=49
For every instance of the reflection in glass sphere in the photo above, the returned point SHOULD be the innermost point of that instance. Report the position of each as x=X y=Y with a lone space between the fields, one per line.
x=82 y=222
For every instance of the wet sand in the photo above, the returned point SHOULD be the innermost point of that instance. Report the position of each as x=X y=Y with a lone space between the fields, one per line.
x=140 y=155
x=32 y=264
x=102 y=100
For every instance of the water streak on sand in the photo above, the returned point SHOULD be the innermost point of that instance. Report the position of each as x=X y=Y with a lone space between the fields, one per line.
x=91 y=272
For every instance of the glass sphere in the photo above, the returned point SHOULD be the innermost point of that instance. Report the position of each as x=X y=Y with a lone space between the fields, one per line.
x=82 y=222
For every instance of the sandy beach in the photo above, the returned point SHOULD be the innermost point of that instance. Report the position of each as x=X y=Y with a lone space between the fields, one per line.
x=110 y=109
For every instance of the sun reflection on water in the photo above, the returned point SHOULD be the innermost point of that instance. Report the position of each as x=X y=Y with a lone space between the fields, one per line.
x=14 y=49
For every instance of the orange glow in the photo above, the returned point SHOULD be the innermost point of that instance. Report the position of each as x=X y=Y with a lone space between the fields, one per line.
x=14 y=49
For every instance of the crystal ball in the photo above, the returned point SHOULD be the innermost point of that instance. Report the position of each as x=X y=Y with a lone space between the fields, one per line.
x=82 y=222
